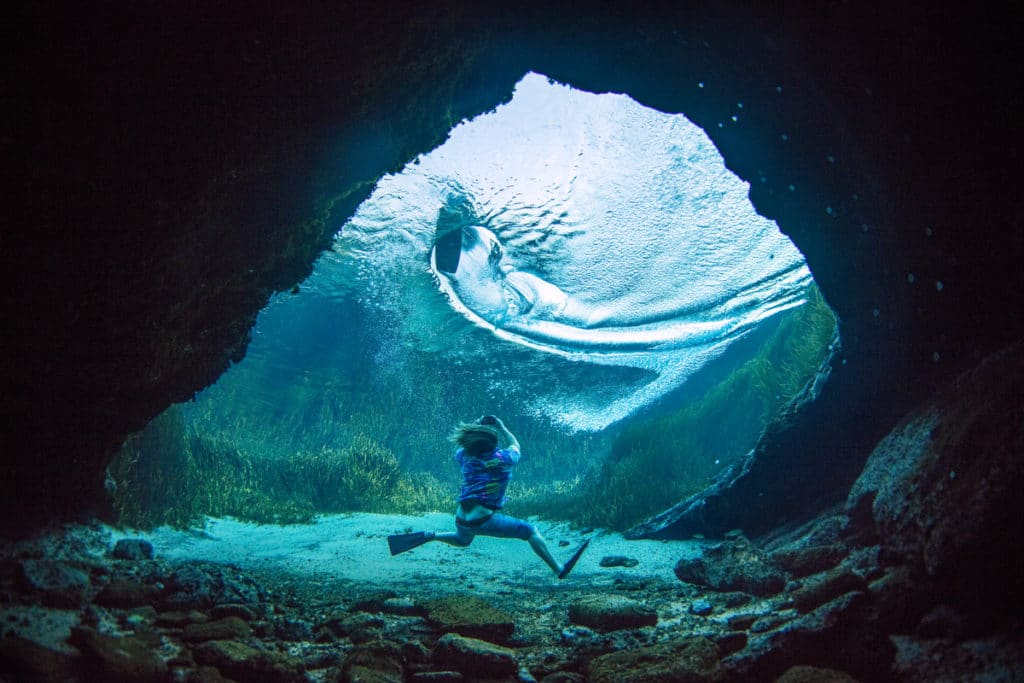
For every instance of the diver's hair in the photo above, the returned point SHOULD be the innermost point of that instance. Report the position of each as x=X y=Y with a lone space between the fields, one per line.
x=476 y=439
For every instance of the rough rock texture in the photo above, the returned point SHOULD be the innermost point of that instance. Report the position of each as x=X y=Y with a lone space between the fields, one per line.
x=244 y=662
x=133 y=549
x=475 y=657
x=58 y=583
x=943 y=490
x=611 y=613
x=114 y=658
x=469 y=616
x=694 y=660
x=147 y=234
x=732 y=566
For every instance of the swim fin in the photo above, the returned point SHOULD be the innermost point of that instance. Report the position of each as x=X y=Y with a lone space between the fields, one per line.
x=399 y=543
x=573 y=560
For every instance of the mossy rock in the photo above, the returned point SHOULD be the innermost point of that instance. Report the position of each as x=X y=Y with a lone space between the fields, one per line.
x=469 y=616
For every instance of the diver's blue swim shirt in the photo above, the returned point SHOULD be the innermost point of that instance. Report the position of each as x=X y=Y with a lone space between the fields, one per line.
x=485 y=478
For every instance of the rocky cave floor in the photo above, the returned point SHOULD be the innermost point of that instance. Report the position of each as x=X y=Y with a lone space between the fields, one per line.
x=810 y=604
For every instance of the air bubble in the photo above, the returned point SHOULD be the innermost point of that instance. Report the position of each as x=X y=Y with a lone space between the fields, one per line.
x=928 y=232
x=939 y=285
x=864 y=227
x=735 y=118
x=701 y=84
x=784 y=137
x=935 y=356
x=739 y=105
x=792 y=188
x=910 y=278
x=828 y=210
x=875 y=312
x=831 y=159
x=778 y=88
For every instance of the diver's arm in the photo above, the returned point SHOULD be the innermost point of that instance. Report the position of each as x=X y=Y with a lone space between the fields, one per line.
x=509 y=438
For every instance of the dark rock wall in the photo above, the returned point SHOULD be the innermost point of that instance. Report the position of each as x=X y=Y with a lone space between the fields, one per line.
x=170 y=168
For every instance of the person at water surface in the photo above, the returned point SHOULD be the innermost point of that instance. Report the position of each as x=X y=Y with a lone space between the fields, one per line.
x=487 y=452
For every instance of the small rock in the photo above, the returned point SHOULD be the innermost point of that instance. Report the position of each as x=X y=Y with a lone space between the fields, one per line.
x=133 y=549
x=228 y=628
x=477 y=658
x=701 y=607
x=618 y=561
x=611 y=613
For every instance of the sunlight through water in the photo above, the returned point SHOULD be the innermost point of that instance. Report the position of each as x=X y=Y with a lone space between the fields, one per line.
x=577 y=225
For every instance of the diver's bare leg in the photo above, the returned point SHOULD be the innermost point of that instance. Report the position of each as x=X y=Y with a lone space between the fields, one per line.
x=536 y=542
x=452 y=538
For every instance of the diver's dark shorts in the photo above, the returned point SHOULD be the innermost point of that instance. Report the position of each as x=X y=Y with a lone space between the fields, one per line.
x=501 y=526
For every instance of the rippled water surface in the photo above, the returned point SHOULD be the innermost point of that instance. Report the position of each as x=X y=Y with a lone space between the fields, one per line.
x=569 y=225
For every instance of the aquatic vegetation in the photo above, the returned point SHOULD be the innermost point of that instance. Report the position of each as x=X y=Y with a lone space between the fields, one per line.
x=240 y=462
x=656 y=462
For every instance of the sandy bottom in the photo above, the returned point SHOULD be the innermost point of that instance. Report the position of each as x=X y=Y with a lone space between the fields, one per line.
x=352 y=549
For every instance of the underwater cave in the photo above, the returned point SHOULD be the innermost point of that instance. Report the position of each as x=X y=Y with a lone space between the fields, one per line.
x=262 y=261
x=579 y=264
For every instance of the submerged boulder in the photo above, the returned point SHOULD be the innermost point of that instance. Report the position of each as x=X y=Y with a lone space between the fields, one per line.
x=133 y=549
x=611 y=613
x=732 y=566
x=942 y=490
x=469 y=616
x=203 y=586
x=474 y=657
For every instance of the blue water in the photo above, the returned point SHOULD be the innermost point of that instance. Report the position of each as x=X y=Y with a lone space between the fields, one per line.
x=576 y=256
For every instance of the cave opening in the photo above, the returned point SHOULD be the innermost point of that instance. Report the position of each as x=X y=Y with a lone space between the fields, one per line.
x=580 y=264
